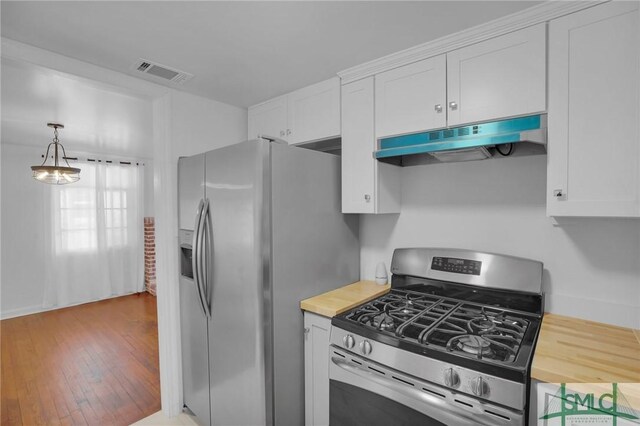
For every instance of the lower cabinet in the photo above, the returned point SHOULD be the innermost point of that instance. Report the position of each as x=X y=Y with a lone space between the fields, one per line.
x=316 y=369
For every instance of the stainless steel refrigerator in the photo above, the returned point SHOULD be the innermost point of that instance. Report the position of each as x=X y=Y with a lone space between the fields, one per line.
x=260 y=230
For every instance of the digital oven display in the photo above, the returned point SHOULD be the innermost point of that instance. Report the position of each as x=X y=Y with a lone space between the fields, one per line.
x=457 y=266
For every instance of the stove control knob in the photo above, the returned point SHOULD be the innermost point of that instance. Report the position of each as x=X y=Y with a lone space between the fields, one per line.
x=451 y=378
x=365 y=347
x=479 y=387
x=348 y=341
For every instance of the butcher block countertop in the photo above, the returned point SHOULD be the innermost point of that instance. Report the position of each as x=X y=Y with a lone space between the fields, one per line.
x=342 y=299
x=572 y=350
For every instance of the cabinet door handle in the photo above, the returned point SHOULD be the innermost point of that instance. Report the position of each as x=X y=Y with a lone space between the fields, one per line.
x=558 y=193
x=453 y=106
x=367 y=197
x=438 y=108
x=288 y=132
x=281 y=132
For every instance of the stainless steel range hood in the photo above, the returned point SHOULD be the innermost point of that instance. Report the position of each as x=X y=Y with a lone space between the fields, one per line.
x=515 y=136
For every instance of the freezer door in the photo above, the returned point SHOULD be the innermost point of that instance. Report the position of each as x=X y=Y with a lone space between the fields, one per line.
x=237 y=277
x=190 y=189
x=195 y=351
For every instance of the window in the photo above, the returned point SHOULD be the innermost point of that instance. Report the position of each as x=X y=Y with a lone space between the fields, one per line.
x=96 y=211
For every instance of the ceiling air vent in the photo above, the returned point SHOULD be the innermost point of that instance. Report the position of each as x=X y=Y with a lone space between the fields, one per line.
x=161 y=71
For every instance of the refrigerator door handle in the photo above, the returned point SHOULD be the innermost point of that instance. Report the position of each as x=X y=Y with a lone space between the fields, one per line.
x=205 y=257
x=195 y=259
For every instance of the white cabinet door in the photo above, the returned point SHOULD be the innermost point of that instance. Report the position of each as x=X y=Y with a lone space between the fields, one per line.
x=498 y=78
x=368 y=186
x=411 y=98
x=314 y=112
x=594 y=112
x=358 y=144
x=316 y=369
x=268 y=119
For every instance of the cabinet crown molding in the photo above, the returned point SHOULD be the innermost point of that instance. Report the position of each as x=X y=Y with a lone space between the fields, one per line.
x=534 y=15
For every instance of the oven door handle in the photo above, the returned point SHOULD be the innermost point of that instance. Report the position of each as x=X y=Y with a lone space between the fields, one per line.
x=460 y=413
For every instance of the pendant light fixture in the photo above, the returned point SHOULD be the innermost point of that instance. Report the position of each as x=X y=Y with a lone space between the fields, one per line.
x=55 y=174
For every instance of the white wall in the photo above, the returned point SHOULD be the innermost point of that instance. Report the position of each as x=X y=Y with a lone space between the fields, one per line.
x=199 y=124
x=23 y=257
x=592 y=265
x=98 y=118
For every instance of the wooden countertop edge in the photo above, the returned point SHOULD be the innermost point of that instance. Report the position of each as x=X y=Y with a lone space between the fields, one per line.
x=342 y=299
x=567 y=369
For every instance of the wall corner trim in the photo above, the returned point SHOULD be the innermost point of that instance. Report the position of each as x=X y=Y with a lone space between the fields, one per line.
x=167 y=291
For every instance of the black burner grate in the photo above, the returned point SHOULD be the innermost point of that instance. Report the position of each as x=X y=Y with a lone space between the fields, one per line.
x=479 y=331
x=468 y=329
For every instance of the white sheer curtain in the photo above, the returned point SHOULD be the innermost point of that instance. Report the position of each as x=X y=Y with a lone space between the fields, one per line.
x=95 y=240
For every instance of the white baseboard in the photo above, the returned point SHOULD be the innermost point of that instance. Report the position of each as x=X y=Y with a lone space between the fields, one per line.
x=36 y=309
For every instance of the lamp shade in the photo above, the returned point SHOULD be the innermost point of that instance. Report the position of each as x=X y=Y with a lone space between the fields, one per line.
x=57 y=175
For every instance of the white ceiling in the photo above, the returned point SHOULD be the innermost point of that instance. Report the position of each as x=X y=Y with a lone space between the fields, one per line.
x=98 y=119
x=241 y=52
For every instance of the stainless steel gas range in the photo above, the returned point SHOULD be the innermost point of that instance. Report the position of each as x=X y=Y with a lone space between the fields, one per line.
x=451 y=343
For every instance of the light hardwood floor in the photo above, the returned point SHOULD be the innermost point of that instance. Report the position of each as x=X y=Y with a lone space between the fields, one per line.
x=94 y=364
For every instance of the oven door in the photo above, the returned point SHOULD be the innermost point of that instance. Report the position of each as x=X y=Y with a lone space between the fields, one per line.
x=364 y=392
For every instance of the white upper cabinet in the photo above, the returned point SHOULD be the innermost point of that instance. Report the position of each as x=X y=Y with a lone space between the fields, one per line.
x=498 y=78
x=309 y=114
x=411 y=98
x=594 y=112
x=358 y=144
x=368 y=186
x=314 y=112
x=268 y=119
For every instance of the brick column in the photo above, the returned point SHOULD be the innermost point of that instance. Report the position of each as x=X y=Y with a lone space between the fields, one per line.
x=150 y=255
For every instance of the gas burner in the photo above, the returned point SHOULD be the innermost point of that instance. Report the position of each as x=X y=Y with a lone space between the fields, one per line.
x=406 y=308
x=471 y=344
x=384 y=322
x=388 y=313
x=481 y=325
x=402 y=308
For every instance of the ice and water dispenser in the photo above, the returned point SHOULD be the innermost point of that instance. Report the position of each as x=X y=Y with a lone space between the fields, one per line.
x=186 y=253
